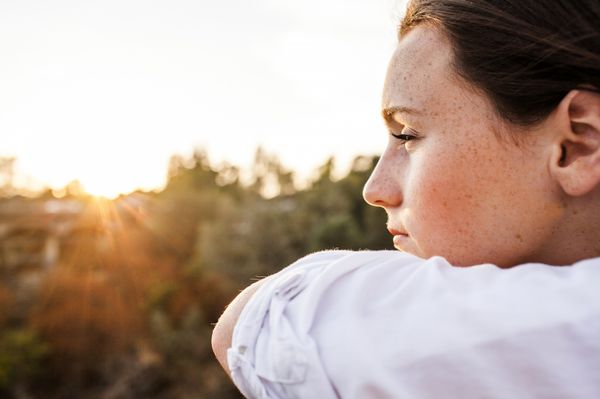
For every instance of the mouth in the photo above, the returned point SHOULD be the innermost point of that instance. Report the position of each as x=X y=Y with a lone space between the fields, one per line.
x=395 y=232
x=400 y=238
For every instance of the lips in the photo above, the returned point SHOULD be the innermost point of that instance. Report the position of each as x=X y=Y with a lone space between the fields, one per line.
x=400 y=238
x=396 y=232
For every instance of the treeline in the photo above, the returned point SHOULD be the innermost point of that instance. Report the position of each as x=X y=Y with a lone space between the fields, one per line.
x=128 y=311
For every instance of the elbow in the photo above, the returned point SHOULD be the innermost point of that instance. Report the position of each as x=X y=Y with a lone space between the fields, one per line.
x=222 y=334
x=220 y=342
x=215 y=340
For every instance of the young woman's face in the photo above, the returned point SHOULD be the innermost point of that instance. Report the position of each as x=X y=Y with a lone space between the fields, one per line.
x=449 y=185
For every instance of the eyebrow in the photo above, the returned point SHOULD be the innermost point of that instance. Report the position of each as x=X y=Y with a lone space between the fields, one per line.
x=389 y=112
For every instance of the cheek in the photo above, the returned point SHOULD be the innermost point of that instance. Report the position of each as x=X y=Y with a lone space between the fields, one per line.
x=444 y=205
x=443 y=202
x=471 y=206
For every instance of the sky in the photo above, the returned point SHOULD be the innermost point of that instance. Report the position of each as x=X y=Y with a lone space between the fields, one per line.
x=106 y=92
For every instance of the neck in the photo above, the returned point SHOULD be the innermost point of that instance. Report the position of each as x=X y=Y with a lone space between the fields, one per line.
x=576 y=236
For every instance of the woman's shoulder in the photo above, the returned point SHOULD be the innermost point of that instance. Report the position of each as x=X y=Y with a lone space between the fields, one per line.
x=359 y=318
x=394 y=266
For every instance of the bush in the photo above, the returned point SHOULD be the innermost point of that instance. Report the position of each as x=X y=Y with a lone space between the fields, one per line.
x=6 y=302
x=22 y=353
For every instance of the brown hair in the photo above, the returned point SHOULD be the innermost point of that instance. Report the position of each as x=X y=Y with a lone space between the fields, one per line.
x=526 y=55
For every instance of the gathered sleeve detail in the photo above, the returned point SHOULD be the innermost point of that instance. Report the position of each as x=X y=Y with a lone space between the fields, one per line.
x=271 y=356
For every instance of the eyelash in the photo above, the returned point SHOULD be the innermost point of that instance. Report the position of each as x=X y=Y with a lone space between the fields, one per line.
x=404 y=137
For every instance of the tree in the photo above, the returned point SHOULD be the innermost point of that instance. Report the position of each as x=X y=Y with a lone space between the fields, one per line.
x=7 y=176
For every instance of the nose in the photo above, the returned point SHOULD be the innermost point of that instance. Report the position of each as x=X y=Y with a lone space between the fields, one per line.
x=383 y=189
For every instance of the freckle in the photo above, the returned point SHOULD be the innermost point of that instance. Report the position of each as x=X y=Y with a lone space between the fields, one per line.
x=519 y=237
x=575 y=212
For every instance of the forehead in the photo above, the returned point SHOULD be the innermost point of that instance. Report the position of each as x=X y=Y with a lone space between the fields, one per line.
x=419 y=73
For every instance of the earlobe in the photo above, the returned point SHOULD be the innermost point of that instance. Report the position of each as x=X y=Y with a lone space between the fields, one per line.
x=576 y=150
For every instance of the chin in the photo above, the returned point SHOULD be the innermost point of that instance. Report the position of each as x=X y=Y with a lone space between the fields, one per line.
x=458 y=260
x=481 y=260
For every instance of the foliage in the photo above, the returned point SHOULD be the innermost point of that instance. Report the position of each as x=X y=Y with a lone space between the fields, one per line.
x=6 y=303
x=128 y=310
x=22 y=353
x=7 y=176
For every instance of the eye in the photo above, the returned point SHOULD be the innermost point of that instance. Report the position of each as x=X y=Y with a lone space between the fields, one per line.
x=407 y=134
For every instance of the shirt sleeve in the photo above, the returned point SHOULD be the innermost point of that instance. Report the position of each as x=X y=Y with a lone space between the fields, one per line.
x=272 y=353
x=385 y=324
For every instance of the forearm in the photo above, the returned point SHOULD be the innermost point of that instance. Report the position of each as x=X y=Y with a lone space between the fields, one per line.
x=223 y=331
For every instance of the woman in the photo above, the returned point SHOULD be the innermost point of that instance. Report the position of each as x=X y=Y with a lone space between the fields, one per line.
x=493 y=162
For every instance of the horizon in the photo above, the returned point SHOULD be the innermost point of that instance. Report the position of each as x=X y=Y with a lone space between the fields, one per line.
x=245 y=177
x=107 y=93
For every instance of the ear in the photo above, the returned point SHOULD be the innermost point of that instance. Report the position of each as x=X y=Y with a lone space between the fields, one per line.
x=576 y=149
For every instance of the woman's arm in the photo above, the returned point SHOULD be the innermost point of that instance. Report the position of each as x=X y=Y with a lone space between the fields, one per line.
x=223 y=331
x=222 y=335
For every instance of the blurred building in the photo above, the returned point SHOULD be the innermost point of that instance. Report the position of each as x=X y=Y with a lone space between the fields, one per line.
x=32 y=230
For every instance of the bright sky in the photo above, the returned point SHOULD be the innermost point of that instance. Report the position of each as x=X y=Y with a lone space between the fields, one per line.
x=106 y=91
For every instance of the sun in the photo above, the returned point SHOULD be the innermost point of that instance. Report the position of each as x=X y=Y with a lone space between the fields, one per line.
x=107 y=173
x=110 y=185
x=103 y=189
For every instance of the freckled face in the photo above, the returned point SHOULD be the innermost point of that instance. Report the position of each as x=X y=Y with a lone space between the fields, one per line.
x=450 y=187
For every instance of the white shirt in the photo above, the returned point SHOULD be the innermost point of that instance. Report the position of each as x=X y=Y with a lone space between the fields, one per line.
x=386 y=324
